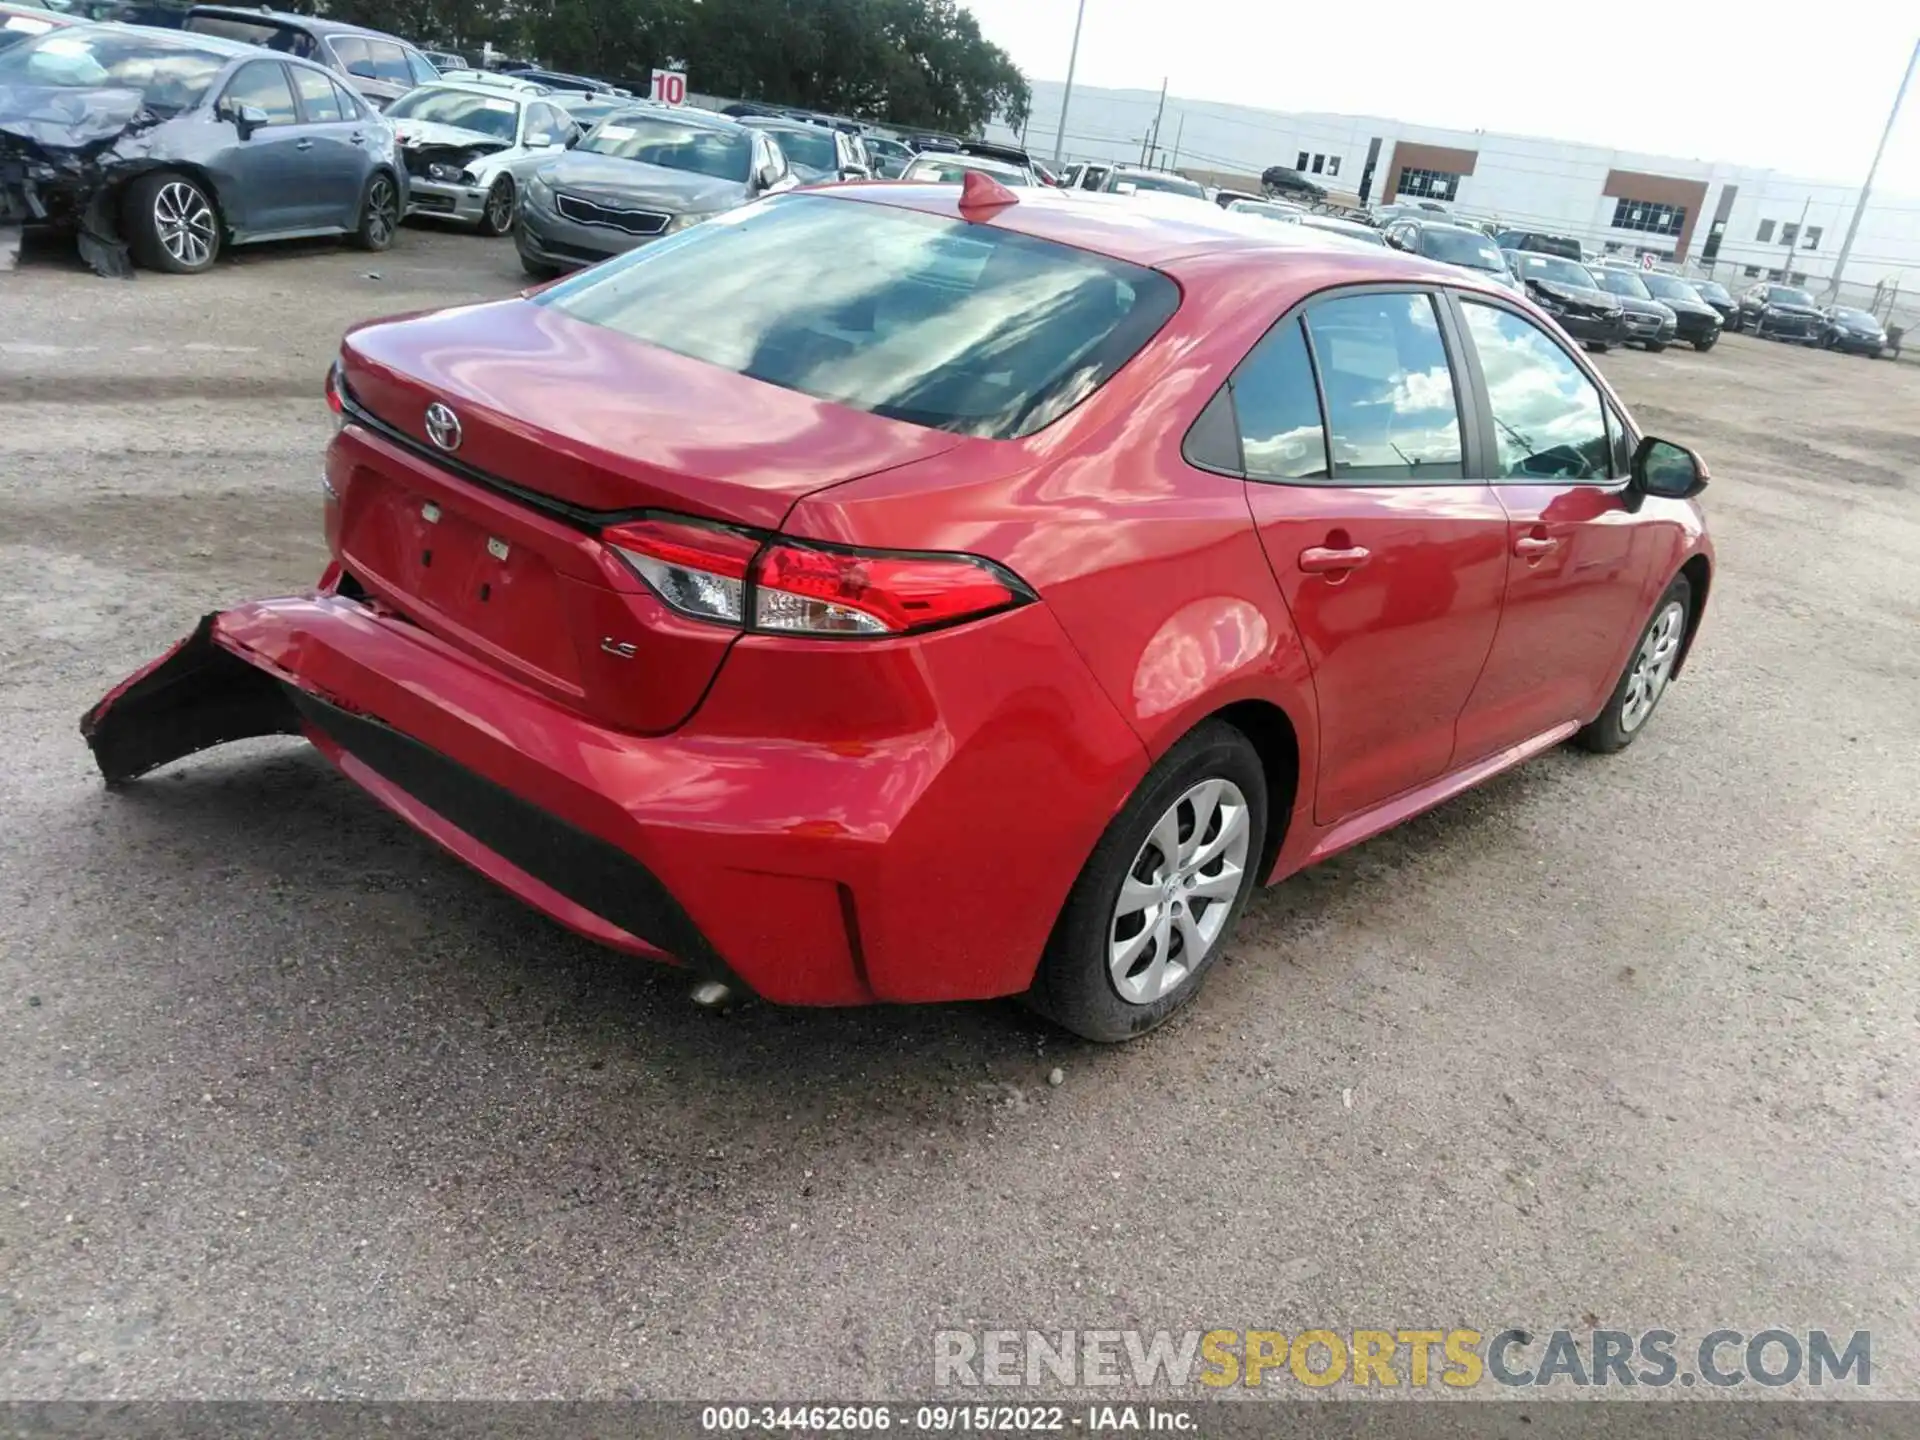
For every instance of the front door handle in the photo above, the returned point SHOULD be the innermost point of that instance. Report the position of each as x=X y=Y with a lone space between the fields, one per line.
x=359 y=137
x=1532 y=547
x=1325 y=560
x=303 y=145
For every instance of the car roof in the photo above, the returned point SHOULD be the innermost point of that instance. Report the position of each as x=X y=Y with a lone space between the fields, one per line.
x=311 y=23
x=1121 y=227
x=688 y=114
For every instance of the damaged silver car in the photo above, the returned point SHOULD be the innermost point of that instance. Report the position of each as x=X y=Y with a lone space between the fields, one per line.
x=165 y=148
x=468 y=148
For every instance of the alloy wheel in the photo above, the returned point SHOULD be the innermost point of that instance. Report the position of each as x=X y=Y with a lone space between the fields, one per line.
x=500 y=206
x=1178 y=892
x=1653 y=666
x=185 y=223
x=383 y=211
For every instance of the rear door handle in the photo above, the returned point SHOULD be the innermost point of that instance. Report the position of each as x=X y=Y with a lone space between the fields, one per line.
x=359 y=137
x=1532 y=547
x=303 y=144
x=1323 y=560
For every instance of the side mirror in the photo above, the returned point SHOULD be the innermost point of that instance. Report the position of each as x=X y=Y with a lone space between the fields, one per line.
x=766 y=177
x=1670 y=471
x=249 y=118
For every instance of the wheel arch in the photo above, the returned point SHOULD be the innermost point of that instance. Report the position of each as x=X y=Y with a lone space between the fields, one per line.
x=205 y=178
x=1272 y=733
x=1698 y=571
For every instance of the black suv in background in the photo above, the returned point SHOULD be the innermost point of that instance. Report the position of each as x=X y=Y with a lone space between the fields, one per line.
x=1565 y=290
x=381 y=67
x=1697 y=321
x=1785 y=312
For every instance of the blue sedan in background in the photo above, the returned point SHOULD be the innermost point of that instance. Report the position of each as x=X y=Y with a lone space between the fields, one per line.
x=168 y=147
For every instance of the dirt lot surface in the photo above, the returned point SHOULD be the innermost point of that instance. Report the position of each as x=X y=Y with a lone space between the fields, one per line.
x=296 y=1105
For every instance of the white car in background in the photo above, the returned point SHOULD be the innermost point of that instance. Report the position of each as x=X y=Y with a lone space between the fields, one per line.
x=468 y=148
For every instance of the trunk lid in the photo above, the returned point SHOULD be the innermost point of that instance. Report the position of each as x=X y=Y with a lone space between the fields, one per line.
x=491 y=545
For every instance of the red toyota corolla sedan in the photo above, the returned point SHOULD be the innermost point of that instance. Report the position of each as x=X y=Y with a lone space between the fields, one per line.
x=899 y=592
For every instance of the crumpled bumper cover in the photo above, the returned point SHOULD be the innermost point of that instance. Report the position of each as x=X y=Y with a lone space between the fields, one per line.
x=203 y=693
x=64 y=153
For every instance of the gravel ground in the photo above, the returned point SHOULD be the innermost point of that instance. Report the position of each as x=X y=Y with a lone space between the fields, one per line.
x=297 y=1106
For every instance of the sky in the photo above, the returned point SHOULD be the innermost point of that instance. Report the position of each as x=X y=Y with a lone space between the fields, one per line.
x=1803 y=89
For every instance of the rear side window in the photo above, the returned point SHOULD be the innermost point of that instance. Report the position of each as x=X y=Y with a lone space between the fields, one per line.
x=1279 y=409
x=351 y=52
x=1391 y=411
x=318 y=95
x=263 y=84
x=1548 y=421
x=916 y=317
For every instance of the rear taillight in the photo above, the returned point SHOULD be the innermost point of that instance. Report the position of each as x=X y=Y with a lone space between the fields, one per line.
x=697 y=569
x=779 y=586
x=337 y=393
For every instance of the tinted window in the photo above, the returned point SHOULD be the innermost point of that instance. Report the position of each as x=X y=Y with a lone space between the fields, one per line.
x=700 y=149
x=169 y=77
x=284 y=38
x=961 y=327
x=389 y=61
x=1548 y=421
x=1390 y=401
x=262 y=83
x=1787 y=295
x=317 y=94
x=1279 y=409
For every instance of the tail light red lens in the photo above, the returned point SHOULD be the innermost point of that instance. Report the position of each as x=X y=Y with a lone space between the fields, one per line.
x=838 y=592
x=337 y=394
x=764 y=583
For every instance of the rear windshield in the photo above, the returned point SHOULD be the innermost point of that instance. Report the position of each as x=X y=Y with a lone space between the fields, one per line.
x=958 y=327
x=811 y=149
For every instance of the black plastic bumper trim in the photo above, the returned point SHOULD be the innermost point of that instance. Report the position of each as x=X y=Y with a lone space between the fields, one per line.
x=593 y=873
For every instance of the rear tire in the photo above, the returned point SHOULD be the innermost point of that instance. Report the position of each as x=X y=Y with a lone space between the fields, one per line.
x=172 y=223
x=1645 y=680
x=379 y=213
x=1141 y=928
x=496 y=217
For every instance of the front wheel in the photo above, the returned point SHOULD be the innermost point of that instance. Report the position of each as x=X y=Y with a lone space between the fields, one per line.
x=1598 y=347
x=1646 y=676
x=172 y=224
x=1150 y=913
x=497 y=216
x=379 y=213
x=1654 y=347
x=1705 y=345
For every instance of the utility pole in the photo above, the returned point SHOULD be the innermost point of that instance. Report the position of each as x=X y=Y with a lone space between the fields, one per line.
x=1799 y=237
x=1853 y=226
x=1154 y=145
x=1178 y=135
x=1066 y=95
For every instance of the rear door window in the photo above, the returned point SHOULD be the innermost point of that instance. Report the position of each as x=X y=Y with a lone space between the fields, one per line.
x=318 y=96
x=262 y=84
x=1278 y=407
x=389 y=62
x=351 y=52
x=916 y=317
x=420 y=69
x=1392 y=414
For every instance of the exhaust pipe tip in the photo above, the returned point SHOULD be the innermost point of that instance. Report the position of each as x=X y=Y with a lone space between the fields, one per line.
x=712 y=995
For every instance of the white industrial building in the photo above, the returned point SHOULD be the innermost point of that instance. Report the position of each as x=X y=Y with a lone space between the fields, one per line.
x=1741 y=222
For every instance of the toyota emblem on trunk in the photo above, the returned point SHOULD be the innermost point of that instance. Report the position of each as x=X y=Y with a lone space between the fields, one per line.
x=443 y=426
